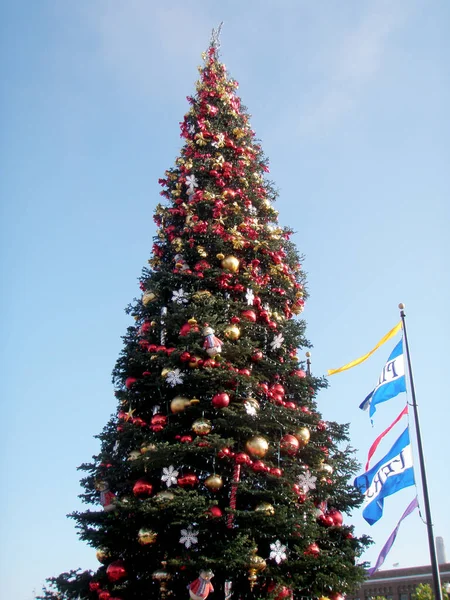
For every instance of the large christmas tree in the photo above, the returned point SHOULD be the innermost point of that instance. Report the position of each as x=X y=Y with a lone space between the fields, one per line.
x=217 y=460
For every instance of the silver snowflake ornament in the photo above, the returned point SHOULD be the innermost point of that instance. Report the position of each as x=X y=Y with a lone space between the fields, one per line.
x=278 y=552
x=179 y=296
x=277 y=342
x=169 y=476
x=189 y=537
x=307 y=481
x=174 y=377
x=191 y=183
x=250 y=296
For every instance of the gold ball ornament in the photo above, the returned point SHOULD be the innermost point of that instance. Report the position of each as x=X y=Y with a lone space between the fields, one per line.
x=102 y=555
x=257 y=446
x=326 y=468
x=266 y=508
x=256 y=565
x=165 y=497
x=303 y=435
x=146 y=536
x=230 y=263
x=220 y=256
x=214 y=483
x=257 y=562
x=201 y=296
x=148 y=297
x=180 y=403
x=251 y=405
x=165 y=372
x=201 y=426
x=232 y=332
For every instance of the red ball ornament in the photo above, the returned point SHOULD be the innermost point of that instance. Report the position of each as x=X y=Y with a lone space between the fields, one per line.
x=276 y=472
x=289 y=444
x=336 y=516
x=277 y=388
x=299 y=373
x=158 y=422
x=282 y=592
x=104 y=595
x=313 y=550
x=224 y=452
x=249 y=315
x=188 y=479
x=259 y=466
x=321 y=426
x=185 y=356
x=221 y=400
x=116 y=570
x=257 y=356
x=186 y=439
x=185 y=329
x=94 y=586
x=129 y=382
x=264 y=388
x=335 y=596
x=325 y=520
x=142 y=488
x=215 y=512
x=242 y=459
x=278 y=399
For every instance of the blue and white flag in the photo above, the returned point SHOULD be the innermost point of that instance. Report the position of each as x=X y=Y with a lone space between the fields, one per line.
x=391 y=381
x=391 y=474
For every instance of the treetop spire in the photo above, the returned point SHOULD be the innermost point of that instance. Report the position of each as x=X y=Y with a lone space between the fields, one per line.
x=215 y=37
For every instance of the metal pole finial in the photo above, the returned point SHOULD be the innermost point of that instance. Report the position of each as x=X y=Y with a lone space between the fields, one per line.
x=215 y=37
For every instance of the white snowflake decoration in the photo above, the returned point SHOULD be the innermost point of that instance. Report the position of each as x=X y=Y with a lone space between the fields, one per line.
x=278 y=552
x=277 y=341
x=250 y=296
x=307 y=481
x=191 y=183
x=189 y=537
x=191 y=129
x=179 y=296
x=174 y=377
x=250 y=409
x=169 y=476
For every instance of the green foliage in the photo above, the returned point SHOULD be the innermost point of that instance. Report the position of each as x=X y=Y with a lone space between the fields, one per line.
x=219 y=205
x=424 y=592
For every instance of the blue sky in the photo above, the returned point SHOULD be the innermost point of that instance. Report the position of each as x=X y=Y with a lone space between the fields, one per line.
x=351 y=103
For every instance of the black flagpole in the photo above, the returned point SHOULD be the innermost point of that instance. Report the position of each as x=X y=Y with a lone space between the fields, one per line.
x=308 y=362
x=426 y=500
